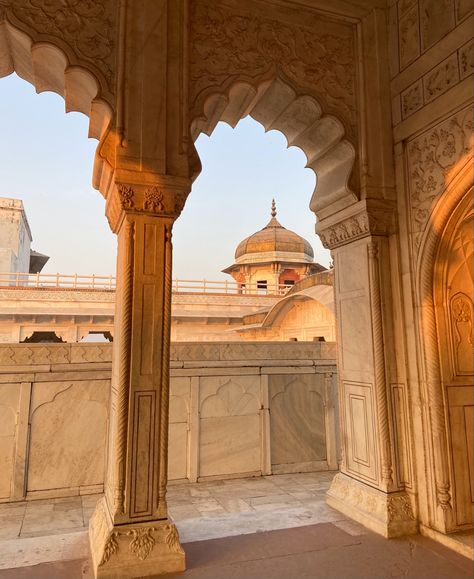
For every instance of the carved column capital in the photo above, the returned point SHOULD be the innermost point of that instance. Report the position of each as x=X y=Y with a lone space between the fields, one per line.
x=145 y=193
x=362 y=219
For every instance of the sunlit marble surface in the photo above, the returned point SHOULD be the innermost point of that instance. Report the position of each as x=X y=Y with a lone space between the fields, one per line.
x=52 y=530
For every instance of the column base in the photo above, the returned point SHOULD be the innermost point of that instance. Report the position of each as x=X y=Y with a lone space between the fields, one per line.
x=134 y=549
x=389 y=514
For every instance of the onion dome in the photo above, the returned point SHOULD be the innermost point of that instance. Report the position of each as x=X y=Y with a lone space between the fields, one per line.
x=276 y=240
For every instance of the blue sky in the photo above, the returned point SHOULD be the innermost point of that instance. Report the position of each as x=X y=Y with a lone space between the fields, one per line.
x=46 y=160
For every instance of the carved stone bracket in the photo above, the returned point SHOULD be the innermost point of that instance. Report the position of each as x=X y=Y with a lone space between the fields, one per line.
x=357 y=221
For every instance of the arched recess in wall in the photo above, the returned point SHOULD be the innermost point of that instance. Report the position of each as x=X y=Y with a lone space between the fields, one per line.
x=453 y=206
x=277 y=106
x=49 y=68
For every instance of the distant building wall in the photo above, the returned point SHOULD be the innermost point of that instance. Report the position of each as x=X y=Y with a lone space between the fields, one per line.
x=15 y=237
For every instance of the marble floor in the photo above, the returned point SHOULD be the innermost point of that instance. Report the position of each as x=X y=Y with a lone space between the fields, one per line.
x=37 y=531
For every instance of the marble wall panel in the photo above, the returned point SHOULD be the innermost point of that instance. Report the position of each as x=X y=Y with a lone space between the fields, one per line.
x=9 y=403
x=229 y=445
x=351 y=273
x=356 y=347
x=466 y=60
x=409 y=36
x=412 y=99
x=360 y=432
x=297 y=427
x=229 y=396
x=463 y=9
x=437 y=19
x=178 y=451
x=63 y=413
x=180 y=391
x=441 y=78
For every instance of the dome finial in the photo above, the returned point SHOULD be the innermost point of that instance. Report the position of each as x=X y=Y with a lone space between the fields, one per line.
x=274 y=210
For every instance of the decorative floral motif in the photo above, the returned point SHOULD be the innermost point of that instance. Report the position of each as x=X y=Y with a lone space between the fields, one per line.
x=172 y=539
x=127 y=196
x=399 y=508
x=349 y=230
x=111 y=547
x=153 y=200
x=442 y=78
x=319 y=58
x=142 y=543
x=466 y=60
x=412 y=99
x=431 y=157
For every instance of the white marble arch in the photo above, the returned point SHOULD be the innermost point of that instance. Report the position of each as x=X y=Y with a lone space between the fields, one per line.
x=277 y=106
x=48 y=68
x=454 y=205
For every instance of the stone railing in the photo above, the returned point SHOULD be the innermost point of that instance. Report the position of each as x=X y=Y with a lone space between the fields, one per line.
x=235 y=410
x=74 y=281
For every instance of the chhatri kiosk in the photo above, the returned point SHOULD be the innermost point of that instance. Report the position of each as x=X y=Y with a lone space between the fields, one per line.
x=272 y=259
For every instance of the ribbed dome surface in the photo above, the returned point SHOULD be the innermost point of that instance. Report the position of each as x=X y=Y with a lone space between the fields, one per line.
x=274 y=237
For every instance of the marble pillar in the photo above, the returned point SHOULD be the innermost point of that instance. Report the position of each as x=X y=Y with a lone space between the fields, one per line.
x=370 y=487
x=131 y=534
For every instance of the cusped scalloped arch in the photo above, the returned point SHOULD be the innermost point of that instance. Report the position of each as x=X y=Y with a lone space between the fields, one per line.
x=277 y=106
x=47 y=68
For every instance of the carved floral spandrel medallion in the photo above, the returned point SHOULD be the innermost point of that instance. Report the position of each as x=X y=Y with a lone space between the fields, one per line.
x=230 y=43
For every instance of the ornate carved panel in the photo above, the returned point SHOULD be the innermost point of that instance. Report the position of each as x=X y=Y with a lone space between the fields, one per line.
x=230 y=43
x=85 y=29
x=432 y=157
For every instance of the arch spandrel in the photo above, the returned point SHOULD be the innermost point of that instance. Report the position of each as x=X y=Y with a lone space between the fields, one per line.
x=294 y=72
x=235 y=41
x=84 y=30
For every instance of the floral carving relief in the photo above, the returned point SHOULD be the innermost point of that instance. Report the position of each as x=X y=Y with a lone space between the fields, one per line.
x=442 y=78
x=142 y=542
x=412 y=99
x=431 y=158
x=466 y=60
x=228 y=45
x=86 y=26
x=463 y=333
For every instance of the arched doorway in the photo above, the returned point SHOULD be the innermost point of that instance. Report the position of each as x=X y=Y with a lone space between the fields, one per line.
x=445 y=308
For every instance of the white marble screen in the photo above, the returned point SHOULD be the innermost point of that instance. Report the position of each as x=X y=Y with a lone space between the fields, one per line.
x=63 y=414
x=297 y=421
x=230 y=433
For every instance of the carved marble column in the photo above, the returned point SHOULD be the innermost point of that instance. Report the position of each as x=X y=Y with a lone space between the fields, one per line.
x=130 y=532
x=371 y=485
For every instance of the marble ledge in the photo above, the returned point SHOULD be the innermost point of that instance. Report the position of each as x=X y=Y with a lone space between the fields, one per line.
x=67 y=376
x=82 y=366
x=65 y=492
x=26 y=372
x=246 y=363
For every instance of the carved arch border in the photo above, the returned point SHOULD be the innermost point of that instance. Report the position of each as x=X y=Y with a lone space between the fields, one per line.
x=296 y=70
x=456 y=196
x=47 y=66
x=276 y=105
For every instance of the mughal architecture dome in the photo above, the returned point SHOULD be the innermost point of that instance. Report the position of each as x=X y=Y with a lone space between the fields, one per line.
x=274 y=238
x=272 y=257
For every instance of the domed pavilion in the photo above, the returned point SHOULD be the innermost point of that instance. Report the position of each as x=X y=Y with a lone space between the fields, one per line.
x=272 y=259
